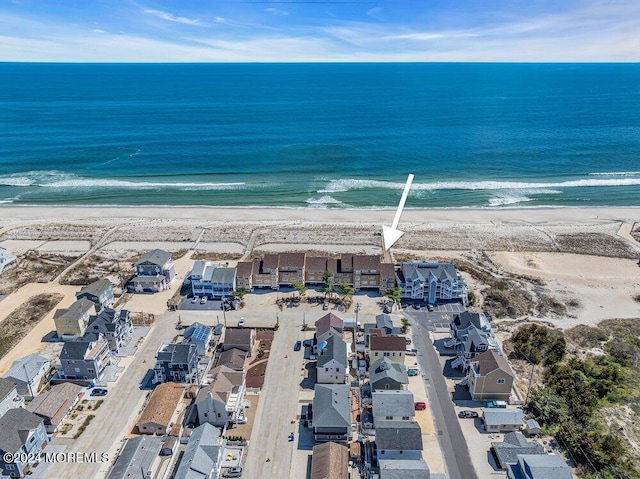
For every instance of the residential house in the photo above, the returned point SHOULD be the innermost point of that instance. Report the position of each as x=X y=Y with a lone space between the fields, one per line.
x=331 y=413
x=431 y=281
x=29 y=373
x=532 y=427
x=200 y=335
x=315 y=268
x=290 y=268
x=474 y=343
x=114 y=325
x=177 y=362
x=221 y=402
x=370 y=330
x=212 y=281
x=161 y=410
x=136 y=458
x=392 y=405
x=387 y=277
x=84 y=360
x=544 y=466
x=23 y=437
x=100 y=293
x=9 y=397
x=461 y=323
x=366 y=272
x=384 y=321
x=330 y=460
x=72 y=322
x=243 y=339
x=490 y=377
x=513 y=445
x=403 y=469
x=392 y=347
x=341 y=269
x=54 y=405
x=502 y=420
x=233 y=359
x=266 y=272
x=155 y=272
x=204 y=454
x=385 y=374
x=5 y=259
x=327 y=326
x=245 y=271
x=399 y=440
x=332 y=363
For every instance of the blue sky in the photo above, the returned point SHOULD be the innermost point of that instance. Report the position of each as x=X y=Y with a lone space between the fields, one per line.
x=316 y=30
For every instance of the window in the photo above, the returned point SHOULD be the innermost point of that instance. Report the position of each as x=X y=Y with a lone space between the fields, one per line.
x=326 y=370
x=90 y=371
x=389 y=418
x=501 y=381
x=386 y=386
x=405 y=418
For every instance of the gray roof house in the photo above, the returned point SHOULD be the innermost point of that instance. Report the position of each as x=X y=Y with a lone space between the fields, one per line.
x=331 y=366
x=403 y=469
x=176 y=362
x=399 y=440
x=200 y=335
x=544 y=466
x=9 y=397
x=212 y=280
x=22 y=432
x=331 y=412
x=243 y=339
x=513 y=445
x=136 y=458
x=154 y=272
x=99 y=292
x=233 y=359
x=387 y=374
x=54 y=405
x=84 y=360
x=392 y=405
x=431 y=281
x=114 y=325
x=73 y=321
x=29 y=373
x=499 y=419
x=385 y=321
x=203 y=457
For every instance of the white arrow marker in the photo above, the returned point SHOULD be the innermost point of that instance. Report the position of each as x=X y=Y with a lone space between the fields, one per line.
x=391 y=235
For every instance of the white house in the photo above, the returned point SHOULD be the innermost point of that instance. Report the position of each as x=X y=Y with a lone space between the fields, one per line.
x=221 y=402
x=331 y=366
x=212 y=280
x=431 y=281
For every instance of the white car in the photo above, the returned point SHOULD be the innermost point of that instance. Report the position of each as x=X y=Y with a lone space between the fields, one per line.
x=203 y=300
x=195 y=299
x=241 y=323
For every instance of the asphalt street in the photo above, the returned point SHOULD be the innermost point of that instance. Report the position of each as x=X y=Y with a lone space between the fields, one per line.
x=452 y=441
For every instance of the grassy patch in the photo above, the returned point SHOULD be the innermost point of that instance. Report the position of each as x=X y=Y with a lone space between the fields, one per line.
x=24 y=318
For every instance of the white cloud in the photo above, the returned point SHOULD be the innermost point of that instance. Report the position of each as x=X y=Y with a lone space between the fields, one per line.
x=97 y=30
x=172 y=18
x=374 y=12
x=277 y=12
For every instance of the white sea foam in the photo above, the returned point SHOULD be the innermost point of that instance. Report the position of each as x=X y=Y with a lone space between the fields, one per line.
x=323 y=201
x=16 y=181
x=510 y=197
x=616 y=173
x=335 y=186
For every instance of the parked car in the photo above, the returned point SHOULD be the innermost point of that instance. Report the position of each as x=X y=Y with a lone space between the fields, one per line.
x=412 y=372
x=203 y=300
x=467 y=414
x=233 y=472
x=430 y=307
x=241 y=323
x=297 y=346
x=421 y=406
x=195 y=299
x=325 y=306
x=407 y=340
x=501 y=404
x=411 y=352
x=99 y=392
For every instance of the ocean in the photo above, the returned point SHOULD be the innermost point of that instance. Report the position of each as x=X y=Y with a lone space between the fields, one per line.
x=320 y=135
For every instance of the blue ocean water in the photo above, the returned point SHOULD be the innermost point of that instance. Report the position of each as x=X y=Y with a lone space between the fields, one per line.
x=320 y=135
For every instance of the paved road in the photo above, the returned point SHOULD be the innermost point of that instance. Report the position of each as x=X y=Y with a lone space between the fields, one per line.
x=452 y=441
x=278 y=404
x=121 y=406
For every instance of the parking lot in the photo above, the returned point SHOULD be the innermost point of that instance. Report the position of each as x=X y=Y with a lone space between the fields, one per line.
x=187 y=304
x=438 y=318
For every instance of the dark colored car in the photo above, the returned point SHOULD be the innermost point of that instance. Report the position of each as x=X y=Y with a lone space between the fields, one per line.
x=99 y=392
x=467 y=414
x=297 y=346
